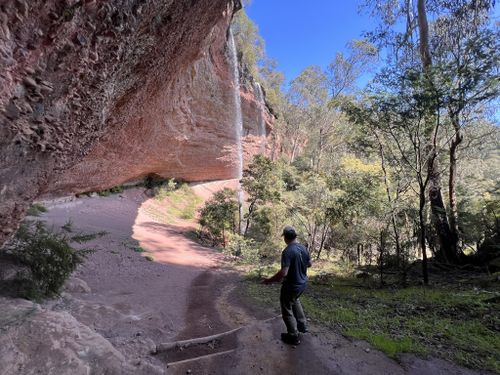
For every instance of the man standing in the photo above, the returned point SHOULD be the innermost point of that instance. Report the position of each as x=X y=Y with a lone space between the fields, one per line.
x=294 y=263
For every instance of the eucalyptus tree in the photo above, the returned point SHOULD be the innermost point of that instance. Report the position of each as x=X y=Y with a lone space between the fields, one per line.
x=455 y=48
x=466 y=51
x=396 y=109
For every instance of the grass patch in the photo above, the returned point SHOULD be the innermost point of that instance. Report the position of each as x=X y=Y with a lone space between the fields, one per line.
x=139 y=249
x=456 y=324
x=86 y=237
x=174 y=205
x=36 y=209
x=390 y=345
x=149 y=258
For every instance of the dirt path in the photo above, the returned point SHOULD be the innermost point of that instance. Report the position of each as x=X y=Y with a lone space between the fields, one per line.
x=134 y=304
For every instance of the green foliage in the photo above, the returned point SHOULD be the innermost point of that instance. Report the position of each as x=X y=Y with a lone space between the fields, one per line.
x=49 y=256
x=454 y=324
x=244 y=249
x=114 y=190
x=253 y=62
x=173 y=204
x=344 y=70
x=263 y=184
x=261 y=180
x=249 y=43
x=139 y=249
x=164 y=190
x=149 y=258
x=219 y=216
x=85 y=237
x=36 y=209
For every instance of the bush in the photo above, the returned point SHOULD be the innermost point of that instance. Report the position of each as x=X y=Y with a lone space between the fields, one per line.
x=49 y=256
x=36 y=209
x=219 y=217
x=243 y=248
x=163 y=191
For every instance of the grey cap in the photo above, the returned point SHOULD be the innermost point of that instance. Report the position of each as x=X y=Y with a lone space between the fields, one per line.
x=289 y=231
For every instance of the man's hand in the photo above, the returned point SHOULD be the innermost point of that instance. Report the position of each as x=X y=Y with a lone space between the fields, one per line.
x=279 y=276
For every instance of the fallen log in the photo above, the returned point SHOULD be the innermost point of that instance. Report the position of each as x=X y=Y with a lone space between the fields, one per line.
x=203 y=340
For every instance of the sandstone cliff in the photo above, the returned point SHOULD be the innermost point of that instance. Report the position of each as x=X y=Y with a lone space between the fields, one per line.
x=94 y=94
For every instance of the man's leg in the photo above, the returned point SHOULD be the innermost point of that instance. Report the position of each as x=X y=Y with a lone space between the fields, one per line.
x=287 y=303
x=298 y=313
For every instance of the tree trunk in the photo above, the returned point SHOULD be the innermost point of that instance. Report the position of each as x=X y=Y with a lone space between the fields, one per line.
x=250 y=211
x=294 y=149
x=452 y=183
x=440 y=220
x=360 y=247
x=425 y=272
x=320 y=149
x=423 y=29
x=438 y=210
x=389 y=199
x=324 y=233
x=381 y=257
x=313 y=239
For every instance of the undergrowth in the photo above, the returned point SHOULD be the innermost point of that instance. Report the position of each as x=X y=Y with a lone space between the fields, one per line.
x=48 y=256
x=174 y=205
x=36 y=209
x=460 y=325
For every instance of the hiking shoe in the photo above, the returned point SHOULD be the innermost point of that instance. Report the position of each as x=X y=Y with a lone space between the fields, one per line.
x=290 y=339
x=302 y=329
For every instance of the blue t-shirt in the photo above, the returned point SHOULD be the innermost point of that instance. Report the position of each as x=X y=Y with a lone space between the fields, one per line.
x=296 y=258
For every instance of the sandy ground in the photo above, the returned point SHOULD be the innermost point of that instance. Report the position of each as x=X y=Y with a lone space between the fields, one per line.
x=185 y=293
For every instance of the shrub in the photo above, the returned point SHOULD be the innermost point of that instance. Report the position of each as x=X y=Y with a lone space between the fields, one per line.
x=36 y=209
x=243 y=248
x=164 y=190
x=48 y=255
x=219 y=216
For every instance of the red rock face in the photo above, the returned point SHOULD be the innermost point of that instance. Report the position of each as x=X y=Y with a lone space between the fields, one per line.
x=94 y=94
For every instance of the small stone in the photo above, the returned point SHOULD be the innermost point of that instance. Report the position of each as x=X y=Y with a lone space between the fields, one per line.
x=188 y=372
x=80 y=39
x=367 y=350
x=11 y=111
x=30 y=82
x=46 y=88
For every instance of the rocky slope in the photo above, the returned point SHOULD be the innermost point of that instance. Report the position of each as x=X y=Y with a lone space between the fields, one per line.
x=94 y=94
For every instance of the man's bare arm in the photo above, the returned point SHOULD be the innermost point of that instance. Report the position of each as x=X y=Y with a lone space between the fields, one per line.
x=280 y=275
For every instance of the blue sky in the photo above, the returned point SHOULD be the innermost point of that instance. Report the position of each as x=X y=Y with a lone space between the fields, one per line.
x=301 y=33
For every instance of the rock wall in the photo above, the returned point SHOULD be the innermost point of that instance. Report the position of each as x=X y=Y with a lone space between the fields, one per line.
x=94 y=94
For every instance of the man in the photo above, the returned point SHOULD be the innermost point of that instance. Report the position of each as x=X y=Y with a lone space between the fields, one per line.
x=294 y=263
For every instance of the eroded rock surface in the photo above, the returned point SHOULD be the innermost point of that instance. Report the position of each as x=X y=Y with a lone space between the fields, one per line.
x=37 y=340
x=94 y=94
